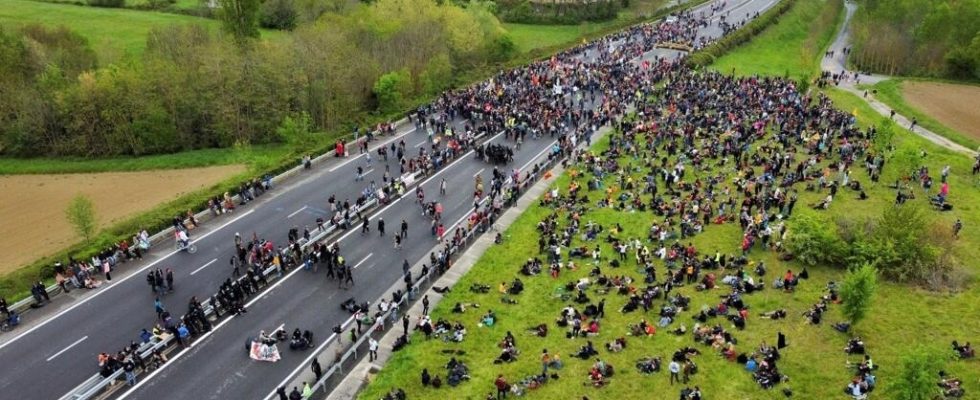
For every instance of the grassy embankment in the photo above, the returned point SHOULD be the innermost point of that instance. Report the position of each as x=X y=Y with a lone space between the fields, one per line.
x=901 y=315
x=792 y=47
x=890 y=93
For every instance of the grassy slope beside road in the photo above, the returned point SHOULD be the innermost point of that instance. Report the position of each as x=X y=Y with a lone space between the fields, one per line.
x=814 y=360
x=790 y=47
x=890 y=93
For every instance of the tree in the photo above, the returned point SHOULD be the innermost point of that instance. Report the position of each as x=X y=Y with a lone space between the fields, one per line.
x=81 y=216
x=917 y=375
x=391 y=89
x=858 y=291
x=240 y=18
x=298 y=132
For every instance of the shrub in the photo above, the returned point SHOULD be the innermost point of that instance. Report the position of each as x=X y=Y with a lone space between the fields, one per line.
x=107 y=3
x=857 y=292
x=814 y=240
x=278 y=14
x=391 y=90
x=917 y=375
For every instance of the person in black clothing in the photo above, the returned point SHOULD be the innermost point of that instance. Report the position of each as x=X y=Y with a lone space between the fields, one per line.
x=295 y=394
x=381 y=227
x=316 y=369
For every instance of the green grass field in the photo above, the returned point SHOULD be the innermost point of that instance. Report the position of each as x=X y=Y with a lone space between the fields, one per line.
x=791 y=47
x=814 y=361
x=115 y=34
x=528 y=37
x=890 y=93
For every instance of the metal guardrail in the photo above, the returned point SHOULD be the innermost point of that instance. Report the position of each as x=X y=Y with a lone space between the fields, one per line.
x=425 y=281
x=93 y=386
x=23 y=305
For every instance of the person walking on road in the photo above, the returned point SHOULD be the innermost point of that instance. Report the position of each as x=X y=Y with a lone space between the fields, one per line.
x=360 y=174
x=425 y=305
x=404 y=233
x=405 y=323
x=398 y=242
x=158 y=306
x=381 y=226
x=349 y=277
x=365 y=226
x=442 y=187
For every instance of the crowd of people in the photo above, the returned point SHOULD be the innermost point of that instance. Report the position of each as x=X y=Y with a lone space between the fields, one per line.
x=704 y=149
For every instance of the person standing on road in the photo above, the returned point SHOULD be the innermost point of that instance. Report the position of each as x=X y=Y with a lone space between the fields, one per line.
x=365 y=226
x=316 y=369
x=158 y=306
x=349 y=277
x=442 y=187
x=372 y=350
x=381 y=226
x=425 y=305
x=360 y=174
x=107 y=269
x=398 y=242
x=170 y=279
x=404 y=233
x=405 y=323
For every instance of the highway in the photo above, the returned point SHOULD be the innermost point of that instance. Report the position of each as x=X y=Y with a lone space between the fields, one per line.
x=55 y=355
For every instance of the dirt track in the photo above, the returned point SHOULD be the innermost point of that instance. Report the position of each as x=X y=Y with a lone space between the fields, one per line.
x=32 y=207
x=956 y=106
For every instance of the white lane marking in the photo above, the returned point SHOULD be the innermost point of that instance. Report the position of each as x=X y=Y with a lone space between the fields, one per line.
x=368 y=172
x=422 y=144
x=296 y=212
x=479 y=172
x=362 y=261
x=66 y=348
x=345 y=162
x=536 y=156
x=279 y=282
x=203 y=266
x=309 y=359
x=117 y=284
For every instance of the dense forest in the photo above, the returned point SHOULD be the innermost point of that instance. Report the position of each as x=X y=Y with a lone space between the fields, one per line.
x=195 y=88
x=937 y=38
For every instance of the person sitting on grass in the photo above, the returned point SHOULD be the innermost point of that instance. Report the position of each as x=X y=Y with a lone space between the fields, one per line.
x=586 y=351
x=965 y=351
x=617 y=345
x=489 y=318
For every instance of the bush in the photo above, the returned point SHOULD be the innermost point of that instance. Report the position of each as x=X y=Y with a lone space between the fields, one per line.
x=278 y=14
x=814 y=240
x=107 y=3
x=917 y=375
x=857 y=292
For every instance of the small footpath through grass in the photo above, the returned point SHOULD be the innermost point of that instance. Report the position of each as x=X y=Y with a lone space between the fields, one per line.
x=890 y=93
x=792 y=47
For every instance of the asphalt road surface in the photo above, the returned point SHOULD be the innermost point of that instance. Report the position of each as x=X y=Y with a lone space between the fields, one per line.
x=50 y=358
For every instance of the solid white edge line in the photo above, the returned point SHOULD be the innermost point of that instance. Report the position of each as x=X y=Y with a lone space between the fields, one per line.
x=284 y=278
x=67 y=348
x=203 y=266
x=97 y=294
